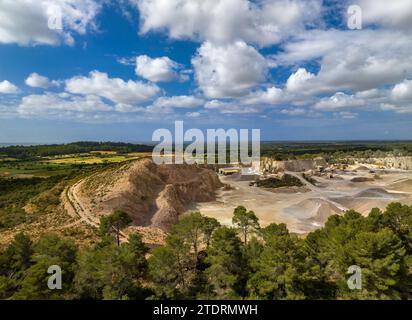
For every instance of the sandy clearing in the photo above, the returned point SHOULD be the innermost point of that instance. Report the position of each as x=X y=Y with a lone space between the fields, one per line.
x=306 y=211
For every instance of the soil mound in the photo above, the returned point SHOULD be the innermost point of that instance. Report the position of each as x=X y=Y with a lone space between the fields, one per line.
x=313 y=210
x=404 y=186
x=376 y=193
x=153 y=195
x=367 y=199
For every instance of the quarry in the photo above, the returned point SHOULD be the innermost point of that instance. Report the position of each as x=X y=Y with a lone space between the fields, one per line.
x=325 y=190
x=156 y=195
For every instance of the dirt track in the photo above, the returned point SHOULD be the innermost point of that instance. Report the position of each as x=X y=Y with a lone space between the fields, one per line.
x=77 y=206
x=74 y=207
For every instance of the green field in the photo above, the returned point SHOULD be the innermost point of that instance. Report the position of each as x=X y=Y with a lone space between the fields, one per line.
x=30 y=169
x=93 y=159
x=62 y=164
x=52 y=160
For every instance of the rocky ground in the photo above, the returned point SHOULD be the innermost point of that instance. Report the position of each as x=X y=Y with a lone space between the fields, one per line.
x=305 y=210
x=155 y=196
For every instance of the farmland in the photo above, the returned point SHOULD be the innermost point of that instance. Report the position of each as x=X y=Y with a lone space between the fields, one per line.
x=48 y=167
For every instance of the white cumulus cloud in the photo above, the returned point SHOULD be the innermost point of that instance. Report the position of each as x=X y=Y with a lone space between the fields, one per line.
x=35 y=80
x=229 y=70
x=26 y=22
x=178 y=102
x=298 y=80
x=157 y=69
x=223 y=21
x=403 y=91
x=339 y=100
x=387 y=13
x=270 y=96
x=7 y=87
x=114 y=89
x=359 y=60
x=64 y=104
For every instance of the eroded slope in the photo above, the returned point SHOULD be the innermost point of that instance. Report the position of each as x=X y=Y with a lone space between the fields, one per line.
x=152 y=195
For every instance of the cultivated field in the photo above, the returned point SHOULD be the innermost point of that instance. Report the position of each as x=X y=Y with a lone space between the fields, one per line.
x=62 y=164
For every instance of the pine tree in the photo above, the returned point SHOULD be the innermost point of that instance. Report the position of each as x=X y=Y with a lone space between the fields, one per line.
x=227 y=274
x=114 y=223
x=245 y=221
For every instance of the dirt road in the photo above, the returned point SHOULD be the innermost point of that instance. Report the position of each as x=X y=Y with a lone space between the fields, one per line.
x=82 y=213
x=77 y=206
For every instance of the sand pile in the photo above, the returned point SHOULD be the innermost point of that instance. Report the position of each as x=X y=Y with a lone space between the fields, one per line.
x=315 y=211
x=152 y=195
x=378 y=193
x=403 y=186
x=368 y=199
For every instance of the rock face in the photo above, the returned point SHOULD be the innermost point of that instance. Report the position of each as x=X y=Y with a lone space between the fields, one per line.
x=152 y=195
x=404 y=163
x=272 y=166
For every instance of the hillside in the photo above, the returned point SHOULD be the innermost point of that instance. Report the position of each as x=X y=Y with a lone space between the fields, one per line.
x=152 y=195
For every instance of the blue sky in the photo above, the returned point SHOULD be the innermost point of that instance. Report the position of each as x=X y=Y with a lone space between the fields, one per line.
x=120 y=70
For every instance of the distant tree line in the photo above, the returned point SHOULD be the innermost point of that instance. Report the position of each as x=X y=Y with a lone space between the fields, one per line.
x=335 y=150
x=277 y=150
x=28 y=152
x=203 y=260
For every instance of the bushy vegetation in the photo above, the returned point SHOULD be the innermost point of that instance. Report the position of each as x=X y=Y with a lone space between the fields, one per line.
x=277 y=150
x=15 y=194
x=30 y=152
x=286 y=180
x=332 y=151
x=202 y=259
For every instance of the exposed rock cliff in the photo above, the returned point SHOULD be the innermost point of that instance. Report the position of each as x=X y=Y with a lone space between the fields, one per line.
x=273 y=166
x=152 y=195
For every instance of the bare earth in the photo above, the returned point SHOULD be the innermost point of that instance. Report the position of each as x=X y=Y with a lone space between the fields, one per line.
x=140 y=189
x=153 y=196
x=309 y=209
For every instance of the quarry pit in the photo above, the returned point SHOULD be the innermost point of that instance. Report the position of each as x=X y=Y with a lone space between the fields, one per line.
x=156 y=196
x=361 y=187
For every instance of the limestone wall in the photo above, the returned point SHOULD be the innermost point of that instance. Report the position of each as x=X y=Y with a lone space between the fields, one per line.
x=272 y=166
x=404 y=163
